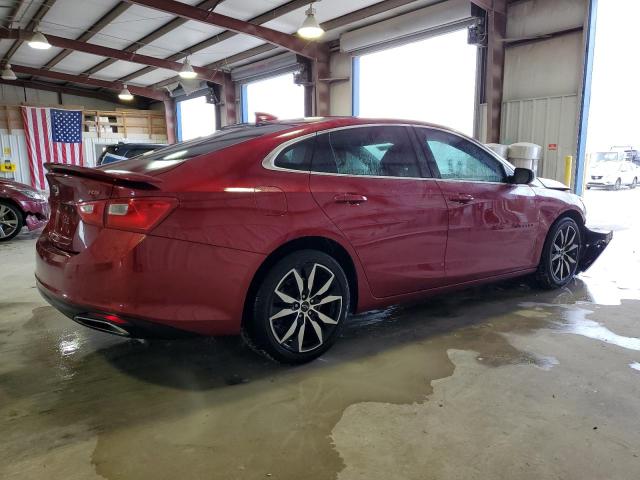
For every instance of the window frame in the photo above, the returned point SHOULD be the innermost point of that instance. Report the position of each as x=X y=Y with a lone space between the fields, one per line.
x=423 y=165
x=508 y=168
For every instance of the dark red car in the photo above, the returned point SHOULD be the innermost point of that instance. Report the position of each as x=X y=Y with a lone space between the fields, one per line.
x=20 y=205
x=279 y=230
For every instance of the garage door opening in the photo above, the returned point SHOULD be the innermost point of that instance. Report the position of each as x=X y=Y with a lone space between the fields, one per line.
x=196 y=118
x=278 y=96
x=612 y=167
x=432 y=80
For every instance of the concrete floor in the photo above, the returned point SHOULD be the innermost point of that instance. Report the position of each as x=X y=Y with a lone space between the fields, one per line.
x=495 y=382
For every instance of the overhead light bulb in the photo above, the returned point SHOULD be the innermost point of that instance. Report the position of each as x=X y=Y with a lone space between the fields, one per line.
x=187 y=70
x=39 y=41
x=310 y=28
x=7 y=73
x=125 y=94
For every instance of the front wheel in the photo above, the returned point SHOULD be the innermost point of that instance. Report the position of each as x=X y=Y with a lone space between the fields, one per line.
x=299 y=308
x=11 y=221
x=618 y=184
x=560 y=255
x=634 y=183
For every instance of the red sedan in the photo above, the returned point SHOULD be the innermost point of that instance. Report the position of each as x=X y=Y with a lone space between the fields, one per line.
x=20 y=205
x=279 y=230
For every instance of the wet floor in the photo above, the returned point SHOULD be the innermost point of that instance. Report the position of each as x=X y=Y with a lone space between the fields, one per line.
x=502 y=381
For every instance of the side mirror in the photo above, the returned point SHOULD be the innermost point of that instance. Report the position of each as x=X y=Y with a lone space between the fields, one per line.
x=522 y=176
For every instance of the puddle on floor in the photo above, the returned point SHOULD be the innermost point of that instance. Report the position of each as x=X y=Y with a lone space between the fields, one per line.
x=211 y=405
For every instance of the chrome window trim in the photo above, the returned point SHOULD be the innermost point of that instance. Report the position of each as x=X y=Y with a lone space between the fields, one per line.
x=269 y=161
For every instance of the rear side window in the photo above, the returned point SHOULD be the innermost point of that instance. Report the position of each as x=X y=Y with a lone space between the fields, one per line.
x=384 y=151
x=296 y=156
x=200 y=146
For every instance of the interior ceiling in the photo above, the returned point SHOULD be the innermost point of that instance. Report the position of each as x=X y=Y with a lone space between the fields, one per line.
x=74 y=18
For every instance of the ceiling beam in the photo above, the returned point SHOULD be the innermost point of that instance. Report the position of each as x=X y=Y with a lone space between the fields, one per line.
x=226 y=35
x=92 y=48
x=80 y=92
x=105 y=20
x=33 y=23
x=338 y=22
x=94 y=82
x=13 y=16
x=285 y=40
x=153 y=36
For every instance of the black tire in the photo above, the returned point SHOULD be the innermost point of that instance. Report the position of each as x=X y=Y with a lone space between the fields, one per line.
x=618 y=184
x=11 y=221
x=307 y=335
x=553 y=271
x=634 y=183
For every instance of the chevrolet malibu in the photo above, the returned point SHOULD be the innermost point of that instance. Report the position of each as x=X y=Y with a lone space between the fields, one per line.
x=279 y=230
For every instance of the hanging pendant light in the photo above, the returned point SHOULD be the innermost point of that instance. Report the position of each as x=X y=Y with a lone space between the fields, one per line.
x=310 y=28
x=39 y=41
x=7 y=73
x=125 y=94
x=187 y=70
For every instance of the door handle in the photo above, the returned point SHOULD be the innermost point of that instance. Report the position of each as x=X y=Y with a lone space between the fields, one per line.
x=350 y=198
x=462 y=198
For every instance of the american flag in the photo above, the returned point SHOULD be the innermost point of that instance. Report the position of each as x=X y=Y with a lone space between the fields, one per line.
x=52 y=135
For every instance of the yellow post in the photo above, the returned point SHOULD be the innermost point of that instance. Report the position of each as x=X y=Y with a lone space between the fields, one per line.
x=568 y=169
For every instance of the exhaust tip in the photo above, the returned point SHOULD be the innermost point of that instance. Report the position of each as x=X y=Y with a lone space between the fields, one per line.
x=102 y=323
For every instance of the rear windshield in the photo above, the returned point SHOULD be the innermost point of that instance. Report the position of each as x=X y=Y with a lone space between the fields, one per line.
x=179 y=152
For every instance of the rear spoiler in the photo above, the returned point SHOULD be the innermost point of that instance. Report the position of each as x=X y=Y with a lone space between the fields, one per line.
x=114 y=176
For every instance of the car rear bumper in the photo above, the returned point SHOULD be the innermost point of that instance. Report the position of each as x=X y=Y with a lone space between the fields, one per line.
x=148 y=281
x=595 y=243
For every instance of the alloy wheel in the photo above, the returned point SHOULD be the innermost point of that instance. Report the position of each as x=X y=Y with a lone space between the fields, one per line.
x=8 y=221
x=306 y=307
x=564 y=253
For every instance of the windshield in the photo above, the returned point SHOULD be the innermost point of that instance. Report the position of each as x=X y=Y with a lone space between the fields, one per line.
x=606 y=157
x=179 y=152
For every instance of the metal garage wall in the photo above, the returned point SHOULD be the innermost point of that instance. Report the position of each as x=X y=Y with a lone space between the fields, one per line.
x=542 y=79
x=544 y=121
x=548 y=121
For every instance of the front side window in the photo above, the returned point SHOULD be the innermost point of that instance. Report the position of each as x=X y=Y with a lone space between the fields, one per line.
x=369 y=151
x=460 y=159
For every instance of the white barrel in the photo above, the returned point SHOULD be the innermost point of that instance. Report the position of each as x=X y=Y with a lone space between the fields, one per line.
x=502 y=150
x=525 y=155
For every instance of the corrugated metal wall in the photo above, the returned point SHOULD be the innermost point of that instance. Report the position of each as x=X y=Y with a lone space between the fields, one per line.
x=17 y=147
x=544 y=121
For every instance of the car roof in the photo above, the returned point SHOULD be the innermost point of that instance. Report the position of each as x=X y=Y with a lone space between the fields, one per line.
x=330 y=121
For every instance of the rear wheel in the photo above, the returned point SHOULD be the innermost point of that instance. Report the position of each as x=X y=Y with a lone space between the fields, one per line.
x=299 y=308
x=634 y=183
x=11 y=221
x=560 y=254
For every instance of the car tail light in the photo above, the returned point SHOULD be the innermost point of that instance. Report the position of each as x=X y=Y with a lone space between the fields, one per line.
x=132 y=214
x=138 y=214
x=92 y=212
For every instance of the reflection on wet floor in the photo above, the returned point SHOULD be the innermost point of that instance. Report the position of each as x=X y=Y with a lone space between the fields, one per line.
x=82 y=403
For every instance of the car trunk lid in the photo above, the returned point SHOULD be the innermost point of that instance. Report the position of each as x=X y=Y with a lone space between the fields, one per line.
x=71 y=185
